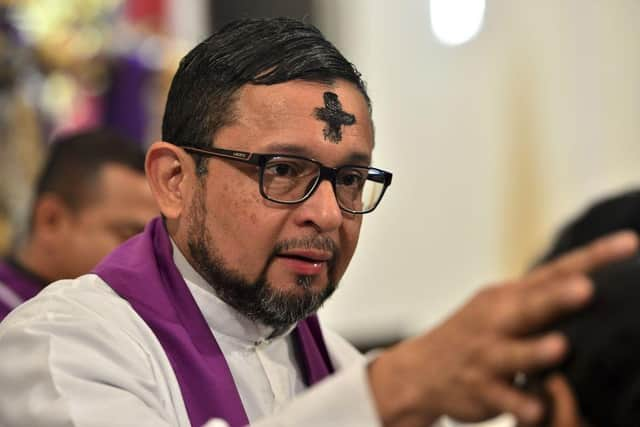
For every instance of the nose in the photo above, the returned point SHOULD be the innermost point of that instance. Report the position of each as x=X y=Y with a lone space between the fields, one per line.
x=321 y=209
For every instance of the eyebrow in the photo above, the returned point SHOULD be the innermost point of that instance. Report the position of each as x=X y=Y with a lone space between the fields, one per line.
x=297 y=150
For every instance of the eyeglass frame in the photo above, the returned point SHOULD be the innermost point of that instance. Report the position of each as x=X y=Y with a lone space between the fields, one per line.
x=261 y=159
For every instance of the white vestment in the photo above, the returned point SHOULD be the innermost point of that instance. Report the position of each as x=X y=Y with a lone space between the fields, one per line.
x=79 y=355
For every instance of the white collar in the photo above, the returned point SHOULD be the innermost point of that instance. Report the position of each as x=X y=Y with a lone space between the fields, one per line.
x=219 y=315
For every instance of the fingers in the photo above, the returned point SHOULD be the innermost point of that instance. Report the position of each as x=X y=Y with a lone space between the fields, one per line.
x=540 y=297
x=528 y=355
x=534 y=306
x=565 y=412
x=614 y=247
x=525 y=407
x=561 y=286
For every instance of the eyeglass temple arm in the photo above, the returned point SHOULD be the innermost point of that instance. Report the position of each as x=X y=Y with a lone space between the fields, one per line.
x=242 y=156
x=382 y=177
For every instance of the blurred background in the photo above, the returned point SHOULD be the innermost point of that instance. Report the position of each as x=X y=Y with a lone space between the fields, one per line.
x=501 y=119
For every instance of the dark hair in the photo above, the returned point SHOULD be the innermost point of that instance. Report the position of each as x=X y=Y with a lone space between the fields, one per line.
x=619 y=212
x=257 y=51
x=74 y=162
x=603 y=366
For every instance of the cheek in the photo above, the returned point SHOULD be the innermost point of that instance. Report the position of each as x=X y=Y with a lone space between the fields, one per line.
x=349 y=236
x=242 y=227
x=96 y=245
x=233 y=212
x=85 y=250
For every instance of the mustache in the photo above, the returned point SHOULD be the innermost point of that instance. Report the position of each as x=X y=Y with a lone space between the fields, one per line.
x=322 y=243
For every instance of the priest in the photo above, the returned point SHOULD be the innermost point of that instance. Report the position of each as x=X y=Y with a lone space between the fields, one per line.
x=263 y=178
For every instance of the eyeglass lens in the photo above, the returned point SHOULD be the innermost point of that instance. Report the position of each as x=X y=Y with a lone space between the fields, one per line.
x=287 y=179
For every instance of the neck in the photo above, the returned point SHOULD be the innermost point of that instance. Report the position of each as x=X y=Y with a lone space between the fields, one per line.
x=35 y=262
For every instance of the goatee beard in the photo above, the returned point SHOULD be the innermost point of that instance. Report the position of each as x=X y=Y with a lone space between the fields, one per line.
x=259 y=300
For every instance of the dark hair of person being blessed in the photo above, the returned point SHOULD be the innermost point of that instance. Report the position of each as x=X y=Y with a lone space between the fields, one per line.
x=603 y=365
x=614 y=213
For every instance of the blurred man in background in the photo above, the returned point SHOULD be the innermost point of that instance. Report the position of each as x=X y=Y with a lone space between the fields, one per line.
x=91 y=196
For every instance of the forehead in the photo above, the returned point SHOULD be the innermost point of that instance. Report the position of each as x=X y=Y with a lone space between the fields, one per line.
x=284 y=117
x=122 y=188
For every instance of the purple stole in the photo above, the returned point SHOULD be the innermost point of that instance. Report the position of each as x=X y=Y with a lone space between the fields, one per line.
x=142 y=271
x=16 y=286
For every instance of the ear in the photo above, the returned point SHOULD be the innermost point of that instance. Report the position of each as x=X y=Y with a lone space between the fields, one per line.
x=51 y=216
x=170 y=172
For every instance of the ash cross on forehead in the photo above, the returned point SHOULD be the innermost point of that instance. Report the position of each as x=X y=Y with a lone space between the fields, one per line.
x=335 y=116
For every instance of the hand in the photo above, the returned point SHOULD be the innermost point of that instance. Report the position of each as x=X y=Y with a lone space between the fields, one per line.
x=465 y=367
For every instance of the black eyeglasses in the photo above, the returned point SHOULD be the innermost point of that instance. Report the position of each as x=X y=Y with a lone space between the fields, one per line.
x=293 y=179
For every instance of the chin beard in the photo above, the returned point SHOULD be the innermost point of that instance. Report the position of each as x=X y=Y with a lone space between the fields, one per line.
x=258 y=300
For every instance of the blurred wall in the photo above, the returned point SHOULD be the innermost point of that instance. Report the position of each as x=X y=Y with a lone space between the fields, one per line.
x=493 y=145
x=223 y=11
x=66 y=66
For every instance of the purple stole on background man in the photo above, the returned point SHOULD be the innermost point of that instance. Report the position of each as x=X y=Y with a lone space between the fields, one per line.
x=142 y=271
x=16 y=286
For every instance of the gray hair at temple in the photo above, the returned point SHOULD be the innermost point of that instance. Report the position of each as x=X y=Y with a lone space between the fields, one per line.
x=251 y=51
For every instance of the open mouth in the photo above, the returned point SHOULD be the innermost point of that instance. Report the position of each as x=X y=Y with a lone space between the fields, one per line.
x=305 y=262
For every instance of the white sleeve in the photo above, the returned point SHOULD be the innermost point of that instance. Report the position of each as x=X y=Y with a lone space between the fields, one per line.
x=343 y=399
x=43 y=385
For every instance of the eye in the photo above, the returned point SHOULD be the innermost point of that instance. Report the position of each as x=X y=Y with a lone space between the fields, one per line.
x=352 y=178
x=281 y=169
x=284 y=169
x=290 y=167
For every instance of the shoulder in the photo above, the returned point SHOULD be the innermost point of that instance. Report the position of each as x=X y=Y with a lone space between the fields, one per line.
x=85 y=296
x=78 y=309
x=86 y=346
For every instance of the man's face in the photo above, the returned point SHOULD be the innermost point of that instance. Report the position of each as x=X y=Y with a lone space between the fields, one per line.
x=277 y=263
x=121 y=206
